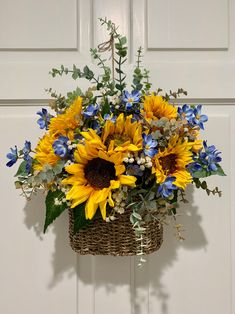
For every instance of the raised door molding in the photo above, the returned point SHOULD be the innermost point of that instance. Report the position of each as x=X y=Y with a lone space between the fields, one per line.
x=187 y=24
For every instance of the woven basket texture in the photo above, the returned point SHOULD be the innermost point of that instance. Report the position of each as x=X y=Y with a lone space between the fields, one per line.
x=115 y=238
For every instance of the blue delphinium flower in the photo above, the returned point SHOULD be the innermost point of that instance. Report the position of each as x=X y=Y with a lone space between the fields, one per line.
x=45 y=119
x=167 y=187
x=134 y=170
x=60 y=146
x=13 y=156
x=186 y=112
x=149 y=145
x=210 y=157
x=27 y=148
x=130 y=98
x=95 y=125
x=91 y=111
x=193 y=167
x=198 y=118
x=110 y=117
x=29 y=160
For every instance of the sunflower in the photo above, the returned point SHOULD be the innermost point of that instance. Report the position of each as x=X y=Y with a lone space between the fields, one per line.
x=122 y=135
x=68 y=121
x=172 y=162
x=93 y=177
x=45 y=152
x=155 y=108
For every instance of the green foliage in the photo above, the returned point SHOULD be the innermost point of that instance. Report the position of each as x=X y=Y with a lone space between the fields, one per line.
x=203 y=185
x=52 y=209
x=203 y=173
x=21 y=172
x=79 y=216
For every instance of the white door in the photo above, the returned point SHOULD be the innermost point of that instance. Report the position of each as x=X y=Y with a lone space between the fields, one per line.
x=187 y=43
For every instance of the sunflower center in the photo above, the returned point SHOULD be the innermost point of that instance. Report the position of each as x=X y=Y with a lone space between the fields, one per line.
x=118 y=139
x=99 y=172
x=168 y=163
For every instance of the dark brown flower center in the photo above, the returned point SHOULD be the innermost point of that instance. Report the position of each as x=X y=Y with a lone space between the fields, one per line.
x=99 y=172
x=168 y=163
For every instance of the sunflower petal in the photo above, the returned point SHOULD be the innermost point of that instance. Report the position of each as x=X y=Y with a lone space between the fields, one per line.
x=91 y=206
x=102 y=206
x=127 y=180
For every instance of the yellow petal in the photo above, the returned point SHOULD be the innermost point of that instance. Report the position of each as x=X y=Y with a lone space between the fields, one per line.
x=127 y=180
x=119 y=169
x=120 y=124
x=79 y=193
x=103 y=208
x=102 y=195
x=91 y=206
x=75 y=168
x=114 y=184
x=110 y=200
x=79 y=180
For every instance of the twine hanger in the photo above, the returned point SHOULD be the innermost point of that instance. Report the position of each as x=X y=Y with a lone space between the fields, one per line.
x=108 y=46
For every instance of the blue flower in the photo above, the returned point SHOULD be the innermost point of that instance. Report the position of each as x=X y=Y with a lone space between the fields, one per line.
x=210 y=157
x=13 y=156
x=193 y=167
x=167 y=187
x=29 y=160
x=198 y=118
x=27 y=148
x=186 y=112
x=149 y=145
x=45 y=119
x=134 y=170
x=95 y=126
x=60 y=146
x=110 y=117
x=91 y=111
x=130 y=98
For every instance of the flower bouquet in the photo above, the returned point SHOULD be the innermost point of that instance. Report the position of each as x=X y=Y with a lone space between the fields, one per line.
x=117 y=160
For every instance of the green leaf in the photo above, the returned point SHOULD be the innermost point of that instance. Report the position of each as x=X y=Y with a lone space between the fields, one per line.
x=201 y=174
x=105 y=109
x=22 y=170
x=123 y=40
x=52 y=210
x=119 y=71
x=219 y=171
x=18 y=184
x=80 y=220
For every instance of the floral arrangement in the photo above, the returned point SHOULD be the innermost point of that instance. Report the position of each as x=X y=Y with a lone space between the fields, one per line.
x=115 y=148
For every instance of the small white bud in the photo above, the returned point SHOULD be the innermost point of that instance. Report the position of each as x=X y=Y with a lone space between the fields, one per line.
x=125 y=159
x=125 y=188
x=148 y=164
x=107 y=219
x=112 y=218
x=142 y=167
x=131 y=160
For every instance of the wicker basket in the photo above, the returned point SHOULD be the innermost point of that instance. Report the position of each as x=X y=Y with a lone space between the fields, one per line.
x=115 y=238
